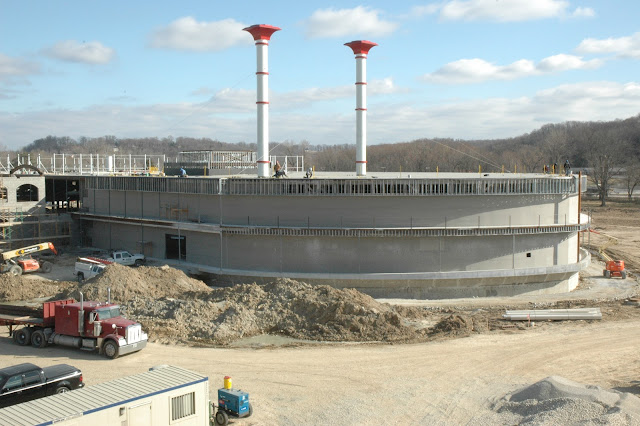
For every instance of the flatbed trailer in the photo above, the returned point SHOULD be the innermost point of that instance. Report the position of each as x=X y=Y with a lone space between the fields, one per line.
x=14 y=315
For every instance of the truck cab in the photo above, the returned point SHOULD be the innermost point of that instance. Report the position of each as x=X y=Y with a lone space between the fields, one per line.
x=123 y=257
x=97 y=325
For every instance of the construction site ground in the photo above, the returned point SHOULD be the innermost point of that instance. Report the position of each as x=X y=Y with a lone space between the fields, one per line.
x=317 y=355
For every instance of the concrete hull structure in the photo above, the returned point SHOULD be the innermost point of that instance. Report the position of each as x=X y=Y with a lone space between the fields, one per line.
x=427 y=236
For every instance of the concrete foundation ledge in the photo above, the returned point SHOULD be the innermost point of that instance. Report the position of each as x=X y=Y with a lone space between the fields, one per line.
x=432 y=285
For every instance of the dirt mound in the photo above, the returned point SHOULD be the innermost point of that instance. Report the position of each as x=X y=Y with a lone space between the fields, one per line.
x=127 y=283
x=283 y=307
x=453 y=325
x=23 y=288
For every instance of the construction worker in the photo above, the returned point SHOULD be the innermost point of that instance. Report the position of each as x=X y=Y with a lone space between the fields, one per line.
x=279 y=170
x=567 y=167
x=183 y=172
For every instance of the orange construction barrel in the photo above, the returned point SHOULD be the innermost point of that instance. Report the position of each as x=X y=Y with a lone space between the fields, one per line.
x=227 y=382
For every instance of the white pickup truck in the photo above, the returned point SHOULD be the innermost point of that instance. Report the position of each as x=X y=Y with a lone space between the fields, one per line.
x=88 y=268
x=123 y=257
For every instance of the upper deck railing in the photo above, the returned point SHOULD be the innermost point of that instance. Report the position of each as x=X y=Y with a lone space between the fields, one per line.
x=340 y=187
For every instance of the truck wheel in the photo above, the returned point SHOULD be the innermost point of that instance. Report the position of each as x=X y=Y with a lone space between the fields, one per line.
x=623 y=274
x=222 y=418
x=138 y=262
x=38 y=340
x=62 y=389
x=110 y=349
x=23 y=336
x=249 y=411
x=46 y=267
x=15 y=270
x=607 y=274
x=80 y=277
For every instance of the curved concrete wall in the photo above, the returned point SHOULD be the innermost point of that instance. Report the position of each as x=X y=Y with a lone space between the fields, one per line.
x=407 y=244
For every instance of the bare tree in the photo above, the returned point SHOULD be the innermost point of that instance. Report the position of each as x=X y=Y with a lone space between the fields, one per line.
x=632 y=176
x=555 y=146
x=606 y=156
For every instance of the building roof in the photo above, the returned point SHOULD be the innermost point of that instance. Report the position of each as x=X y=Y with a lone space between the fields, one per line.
x=52 y=409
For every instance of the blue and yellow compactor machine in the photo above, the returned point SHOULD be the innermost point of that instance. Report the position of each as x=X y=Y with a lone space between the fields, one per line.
x=231 y=403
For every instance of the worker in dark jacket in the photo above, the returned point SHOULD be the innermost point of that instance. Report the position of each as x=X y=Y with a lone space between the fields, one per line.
x=567 y=167
x=279 y=170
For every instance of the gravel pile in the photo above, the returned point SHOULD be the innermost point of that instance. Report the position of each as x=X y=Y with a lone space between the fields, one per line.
x=559 y=401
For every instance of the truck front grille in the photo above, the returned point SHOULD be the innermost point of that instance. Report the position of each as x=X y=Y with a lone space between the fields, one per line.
x=134 y=333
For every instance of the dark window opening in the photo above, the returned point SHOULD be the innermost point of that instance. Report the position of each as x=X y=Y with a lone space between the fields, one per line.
x=176 y=247
x=27 y=192
x=528 y=254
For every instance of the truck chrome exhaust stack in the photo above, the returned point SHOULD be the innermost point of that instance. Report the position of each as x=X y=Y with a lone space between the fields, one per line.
x=81 y=315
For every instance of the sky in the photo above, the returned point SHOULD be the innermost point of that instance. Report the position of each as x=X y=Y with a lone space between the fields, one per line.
x=462 y=69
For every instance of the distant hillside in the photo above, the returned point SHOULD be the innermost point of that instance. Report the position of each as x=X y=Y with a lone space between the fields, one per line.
x=552 y=143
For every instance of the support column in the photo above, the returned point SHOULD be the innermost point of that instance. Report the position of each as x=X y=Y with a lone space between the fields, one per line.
x=262 y=34
x=361 y=49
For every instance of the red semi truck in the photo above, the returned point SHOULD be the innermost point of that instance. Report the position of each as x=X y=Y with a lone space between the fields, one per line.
x=85 y=325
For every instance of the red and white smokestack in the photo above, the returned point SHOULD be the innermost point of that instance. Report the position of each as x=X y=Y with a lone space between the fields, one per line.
x=262 y=34
x=361 y=49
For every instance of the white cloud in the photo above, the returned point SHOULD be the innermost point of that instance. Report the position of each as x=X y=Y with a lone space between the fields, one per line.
x=505 y=117
x=502 y=10
x=188 y=34
x=11 y=68
x=628 y=46
x=92 y=52
x=359 y=21
x=244 y=100
x=231 y=117
x=429 y=9
x=478 y=70
x=583 y=12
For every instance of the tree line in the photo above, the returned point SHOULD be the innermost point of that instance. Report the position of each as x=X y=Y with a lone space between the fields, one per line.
x=607 y=150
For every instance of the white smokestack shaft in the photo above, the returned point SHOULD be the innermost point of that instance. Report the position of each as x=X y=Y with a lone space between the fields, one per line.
x=361 y=115
x=262 y=77
x=262 y=34
x=361 y=49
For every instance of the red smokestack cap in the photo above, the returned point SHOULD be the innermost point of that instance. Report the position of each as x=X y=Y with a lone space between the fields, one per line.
x=261 y=32
x=360 y=46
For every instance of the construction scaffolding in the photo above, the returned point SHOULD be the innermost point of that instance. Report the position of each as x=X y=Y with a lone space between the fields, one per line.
x=18 y=228
x=88 y=164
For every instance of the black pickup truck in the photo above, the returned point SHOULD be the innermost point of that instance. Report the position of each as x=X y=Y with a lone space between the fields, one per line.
x=24 y=382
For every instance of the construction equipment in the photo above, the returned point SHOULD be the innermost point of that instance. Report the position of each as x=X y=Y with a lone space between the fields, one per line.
x=87 y=325
x=231 y=403
x=613 y=268
x=19 y=261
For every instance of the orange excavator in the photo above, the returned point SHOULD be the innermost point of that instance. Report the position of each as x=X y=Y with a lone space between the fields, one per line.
x=19 y=261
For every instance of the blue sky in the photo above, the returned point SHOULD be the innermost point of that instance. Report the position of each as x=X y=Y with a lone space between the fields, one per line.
x=471 y=69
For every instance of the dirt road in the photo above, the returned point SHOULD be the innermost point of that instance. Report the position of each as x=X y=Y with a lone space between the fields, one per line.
x=446 y=382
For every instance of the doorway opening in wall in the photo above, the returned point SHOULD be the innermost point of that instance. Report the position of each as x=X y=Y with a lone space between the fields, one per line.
x=176 y=247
